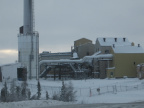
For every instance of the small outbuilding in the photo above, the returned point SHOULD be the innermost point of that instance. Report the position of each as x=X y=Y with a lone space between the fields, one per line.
x=12 y=71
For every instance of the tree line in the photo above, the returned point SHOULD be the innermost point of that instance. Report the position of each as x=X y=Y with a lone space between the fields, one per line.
x=21 y=92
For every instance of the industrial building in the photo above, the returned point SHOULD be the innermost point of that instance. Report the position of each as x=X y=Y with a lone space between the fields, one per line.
x=113 y=58
x=12 y=71
x=109 y=57
x=125 y=58
x=83 y=47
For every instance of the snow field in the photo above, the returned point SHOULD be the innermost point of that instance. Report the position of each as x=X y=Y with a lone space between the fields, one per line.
x=127 y=90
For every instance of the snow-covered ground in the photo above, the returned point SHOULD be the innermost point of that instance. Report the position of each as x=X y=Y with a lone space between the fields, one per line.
x=32 y=104
x=127 y=90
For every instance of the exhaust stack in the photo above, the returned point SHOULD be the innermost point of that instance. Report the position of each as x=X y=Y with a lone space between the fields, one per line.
x=28 y=16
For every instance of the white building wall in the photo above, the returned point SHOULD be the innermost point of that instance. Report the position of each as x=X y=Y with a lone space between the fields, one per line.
x=9 y=71
x=28 y=51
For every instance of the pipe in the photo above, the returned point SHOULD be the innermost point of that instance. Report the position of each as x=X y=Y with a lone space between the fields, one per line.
x=60 y=61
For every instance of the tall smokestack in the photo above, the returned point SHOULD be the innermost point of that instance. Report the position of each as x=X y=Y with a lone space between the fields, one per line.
x=28 y=42
x=28 y=16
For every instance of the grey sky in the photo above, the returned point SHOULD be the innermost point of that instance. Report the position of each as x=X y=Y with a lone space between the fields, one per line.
x=60 y=22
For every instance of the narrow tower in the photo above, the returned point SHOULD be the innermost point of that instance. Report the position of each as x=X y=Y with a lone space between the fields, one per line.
x=28 y=41
x=28 y=16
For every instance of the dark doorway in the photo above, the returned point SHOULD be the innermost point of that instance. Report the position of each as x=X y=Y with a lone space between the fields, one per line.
x=21 y=74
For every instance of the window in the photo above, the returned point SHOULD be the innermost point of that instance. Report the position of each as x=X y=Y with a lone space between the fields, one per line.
x=87 y=53
x=106 y=51
x=134 y=63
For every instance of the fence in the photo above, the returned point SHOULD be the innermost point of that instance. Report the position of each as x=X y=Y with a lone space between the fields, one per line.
x=107 y=89
x=88 y=92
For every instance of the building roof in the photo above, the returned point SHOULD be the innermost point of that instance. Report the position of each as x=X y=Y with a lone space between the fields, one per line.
x=10 y=64
x=81 y=42
x=128 y=49
x=83 y=39
x=109 y=41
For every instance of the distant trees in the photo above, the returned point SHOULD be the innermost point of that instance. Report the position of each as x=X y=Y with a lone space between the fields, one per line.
x=17 y=92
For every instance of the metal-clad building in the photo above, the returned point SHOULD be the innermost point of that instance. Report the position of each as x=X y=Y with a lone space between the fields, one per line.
x=84 y=47
x=9 y=72
x=126 y=57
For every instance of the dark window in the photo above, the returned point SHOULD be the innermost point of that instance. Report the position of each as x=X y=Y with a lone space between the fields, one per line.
x=134 y=63
x=21 y=74
x=87 y=53
x=106 y=51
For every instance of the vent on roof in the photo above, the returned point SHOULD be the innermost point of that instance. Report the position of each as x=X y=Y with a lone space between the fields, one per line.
x=115 y=39
x=124 y=39
x=104 y=39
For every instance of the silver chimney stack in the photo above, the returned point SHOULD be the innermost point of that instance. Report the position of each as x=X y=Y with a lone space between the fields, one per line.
x=28 y=42
x=28 y=16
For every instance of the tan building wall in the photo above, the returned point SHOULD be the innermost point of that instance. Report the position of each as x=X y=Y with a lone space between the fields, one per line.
x=125 y=64
x=85 y=50
x=81 y=42
x=84 y=47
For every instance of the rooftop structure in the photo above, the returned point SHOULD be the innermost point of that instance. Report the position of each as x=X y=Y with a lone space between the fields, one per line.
x=128 y=49
x=116 y=41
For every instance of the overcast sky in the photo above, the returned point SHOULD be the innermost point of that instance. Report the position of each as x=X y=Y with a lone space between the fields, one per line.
x=61 y=22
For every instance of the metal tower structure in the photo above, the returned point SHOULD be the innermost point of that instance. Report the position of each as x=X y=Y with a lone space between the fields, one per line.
x=28 y=41
x=28 y=16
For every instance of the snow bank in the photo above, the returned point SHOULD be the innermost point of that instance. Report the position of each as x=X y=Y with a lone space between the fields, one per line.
x=32 y=103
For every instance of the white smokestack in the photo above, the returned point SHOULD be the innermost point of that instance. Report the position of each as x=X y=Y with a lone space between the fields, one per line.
x=28 y=16
x=28 y=42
